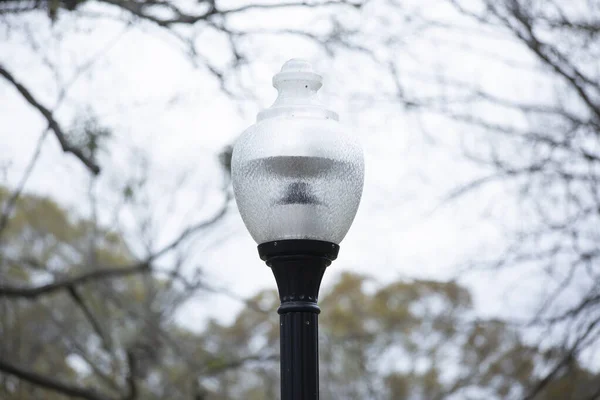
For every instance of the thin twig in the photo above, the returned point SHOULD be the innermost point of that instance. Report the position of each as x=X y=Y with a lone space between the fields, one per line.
x=10 y=203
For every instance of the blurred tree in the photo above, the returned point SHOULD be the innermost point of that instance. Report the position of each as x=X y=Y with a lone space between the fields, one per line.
x=96 y=313
x=83 y=318
x=544 y=148
x=172 y=17
x=404 y=340
x=95 y=337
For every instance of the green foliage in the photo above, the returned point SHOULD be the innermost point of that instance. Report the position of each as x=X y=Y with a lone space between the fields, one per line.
x=93 y=323
x=404 y=340
x=401 y=340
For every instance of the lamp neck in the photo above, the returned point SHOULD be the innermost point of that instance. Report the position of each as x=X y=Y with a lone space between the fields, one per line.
x=298 y=266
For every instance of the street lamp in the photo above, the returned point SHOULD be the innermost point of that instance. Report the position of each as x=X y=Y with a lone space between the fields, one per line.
x=298 y=179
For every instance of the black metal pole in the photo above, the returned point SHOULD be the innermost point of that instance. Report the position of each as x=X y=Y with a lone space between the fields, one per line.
x=298 y=266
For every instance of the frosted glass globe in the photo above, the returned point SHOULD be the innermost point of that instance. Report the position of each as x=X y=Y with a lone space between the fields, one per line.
x=296 y=174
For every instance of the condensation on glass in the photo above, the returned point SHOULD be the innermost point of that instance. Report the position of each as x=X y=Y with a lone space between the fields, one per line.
x=296 y=174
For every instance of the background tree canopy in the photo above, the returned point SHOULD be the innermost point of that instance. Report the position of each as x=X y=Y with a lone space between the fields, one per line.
x=106 y=338
x=117 y=119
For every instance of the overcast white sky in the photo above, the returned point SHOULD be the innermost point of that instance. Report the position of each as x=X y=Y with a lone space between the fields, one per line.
x=154 y=99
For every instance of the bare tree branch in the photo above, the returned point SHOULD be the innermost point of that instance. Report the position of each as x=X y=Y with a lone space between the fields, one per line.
x=52 y=123
x=141 y=10
x=520 y=25
x=565 y=360
x=49 y=383
x=195 y=228
x=99 y=274
x=74 y=294
x=112 y=272
x=131 y=377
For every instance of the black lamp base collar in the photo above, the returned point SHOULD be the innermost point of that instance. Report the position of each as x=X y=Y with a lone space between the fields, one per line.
x=298 y=266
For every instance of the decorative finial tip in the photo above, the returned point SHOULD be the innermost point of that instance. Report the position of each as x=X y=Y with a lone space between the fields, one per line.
x=300 y=71
x=297 y=84
x=297 y=65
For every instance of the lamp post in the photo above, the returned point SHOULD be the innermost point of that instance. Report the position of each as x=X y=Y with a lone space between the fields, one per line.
x=298 y=180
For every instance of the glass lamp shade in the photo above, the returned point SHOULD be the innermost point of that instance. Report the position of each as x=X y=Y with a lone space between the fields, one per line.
x=296 y=174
